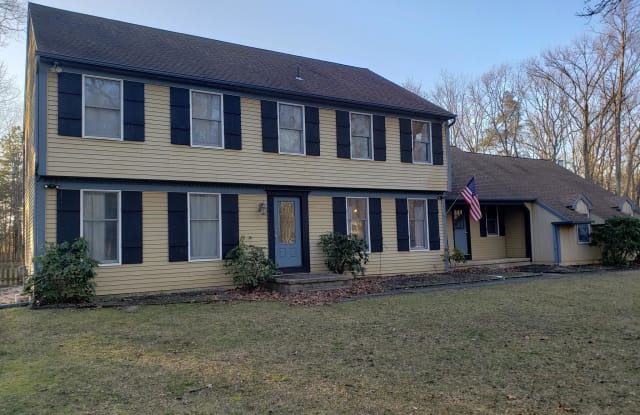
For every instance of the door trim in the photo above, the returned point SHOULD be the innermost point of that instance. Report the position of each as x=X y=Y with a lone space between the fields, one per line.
x=304 y=226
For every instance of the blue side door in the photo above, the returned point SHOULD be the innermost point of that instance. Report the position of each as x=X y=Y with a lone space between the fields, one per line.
x=288 y=240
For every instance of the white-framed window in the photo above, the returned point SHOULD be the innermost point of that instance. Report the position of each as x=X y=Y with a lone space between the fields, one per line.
x=584 y=233
x=421 y=138
x=205 y=236
x=491 y=220
x=206 y=120
x=102 y=107
x=100 y=224
x=361 y=136
x=418 y=224
x=291 y=128
x=358 y=219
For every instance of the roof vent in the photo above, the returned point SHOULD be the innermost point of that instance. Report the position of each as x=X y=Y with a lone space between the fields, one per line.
x=299 y=74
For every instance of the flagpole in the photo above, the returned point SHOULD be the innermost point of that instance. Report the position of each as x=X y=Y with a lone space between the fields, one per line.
x=452 y=204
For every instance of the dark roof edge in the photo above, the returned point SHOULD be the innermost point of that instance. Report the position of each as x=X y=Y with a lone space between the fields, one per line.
x=450 y=198
x=242 y=87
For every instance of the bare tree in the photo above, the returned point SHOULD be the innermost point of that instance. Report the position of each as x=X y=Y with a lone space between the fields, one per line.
x=12 y=19
x=604 y=7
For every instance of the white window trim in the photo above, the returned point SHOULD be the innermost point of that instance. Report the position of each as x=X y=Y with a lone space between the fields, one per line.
x=578 y=234
x=486 y=217
x=426 y=225
x=221 y=146
x=430 y=143
x=219 y=226
x=119 y=221
x=304 y=133
x=84 y=118
x=370 y=138
x=368 y=241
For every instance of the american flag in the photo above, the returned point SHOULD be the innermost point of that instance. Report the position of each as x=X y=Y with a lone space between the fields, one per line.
x=470 y=195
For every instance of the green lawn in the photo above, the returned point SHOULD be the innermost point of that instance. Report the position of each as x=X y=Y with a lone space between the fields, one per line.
x=543 y=347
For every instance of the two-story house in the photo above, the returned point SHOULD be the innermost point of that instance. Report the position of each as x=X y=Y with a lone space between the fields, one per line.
x=161 y=149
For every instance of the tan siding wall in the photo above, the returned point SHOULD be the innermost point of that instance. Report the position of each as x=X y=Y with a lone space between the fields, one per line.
x=514 y=234
x=157 y=158
x=50 y=220
x=574 y=253
x=29 y=156
x=542 y=234
x=320 y=221
x=489 y=247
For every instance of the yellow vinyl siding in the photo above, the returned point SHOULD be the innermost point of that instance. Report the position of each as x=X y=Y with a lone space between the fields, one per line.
x=574 y=253
x=515 y=242
x=542 y=234
x=156 y=158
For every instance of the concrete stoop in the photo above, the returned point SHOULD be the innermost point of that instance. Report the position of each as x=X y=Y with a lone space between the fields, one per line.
x=293 y=283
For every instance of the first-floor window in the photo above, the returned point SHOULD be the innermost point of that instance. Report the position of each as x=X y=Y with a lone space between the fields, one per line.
x=204 y=226
x=418 y=231
x=358 y=218
x=491 y=218
x=101 y=225
x=584 y=233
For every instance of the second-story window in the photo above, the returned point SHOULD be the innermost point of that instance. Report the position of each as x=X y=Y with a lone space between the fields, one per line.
x=361 y=136
x=421 y=132
x=206 y=119
x=102 y=108
x=291 y=128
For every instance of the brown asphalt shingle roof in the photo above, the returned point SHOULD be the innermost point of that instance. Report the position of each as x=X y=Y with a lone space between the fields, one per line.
x=63 y=34
x=510 y=178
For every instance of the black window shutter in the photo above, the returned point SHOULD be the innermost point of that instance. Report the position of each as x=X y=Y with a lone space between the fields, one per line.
x=178 y=234
x=501 y=225
x=312 y=130
x=67 y=215
x=70 y=104
x=437 y=144
x=180 y=116
x=379 y=138
x=340 y=215
x=375 y=216
x=133 y=112
x=230 y=223
x=343 y=134
x=269 y=126
x=483 y=222
x=402 y=224
x=434 y=225
x=232 y=125
x=131 y=227
x=406 y=147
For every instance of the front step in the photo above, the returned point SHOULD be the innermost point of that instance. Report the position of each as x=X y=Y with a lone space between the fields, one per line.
x=293 y=283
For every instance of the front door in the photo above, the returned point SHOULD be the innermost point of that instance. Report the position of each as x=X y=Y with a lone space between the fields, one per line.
x=461 y=231
x=288 y=240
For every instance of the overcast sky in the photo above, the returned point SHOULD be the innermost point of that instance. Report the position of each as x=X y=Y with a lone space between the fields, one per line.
x=398 y=39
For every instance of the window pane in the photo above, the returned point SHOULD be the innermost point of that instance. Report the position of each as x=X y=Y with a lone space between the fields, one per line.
x=102 y=93
x=102 y=238
x=100 y=205
x=360 y=148
x=492 y=220
x=583 y=233
x=421 y=141
x=291 y=141
x=286 y=218
x=360 y=125
x=205 y=106
x=204 y=207
x=357 y=217
x=204 y=239
x=101 y=122
x=290 y=117
x=417 y=224
x=206 y=133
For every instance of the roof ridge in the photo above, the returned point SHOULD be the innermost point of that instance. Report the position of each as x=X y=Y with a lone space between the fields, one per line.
x=503 y=156
x=200 y=37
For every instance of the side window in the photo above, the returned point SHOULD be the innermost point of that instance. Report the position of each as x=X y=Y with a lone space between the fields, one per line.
x=102 y=106
x=206 y=119
x=100 y=225
x=421 y=138
x=584 y=233
x=358 y=218
x=204 y=226
x=418 y=225
x=361 y=136
x=291 y=128
x=491 y=217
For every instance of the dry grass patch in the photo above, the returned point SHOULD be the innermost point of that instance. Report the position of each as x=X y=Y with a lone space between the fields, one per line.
x=554 y=346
